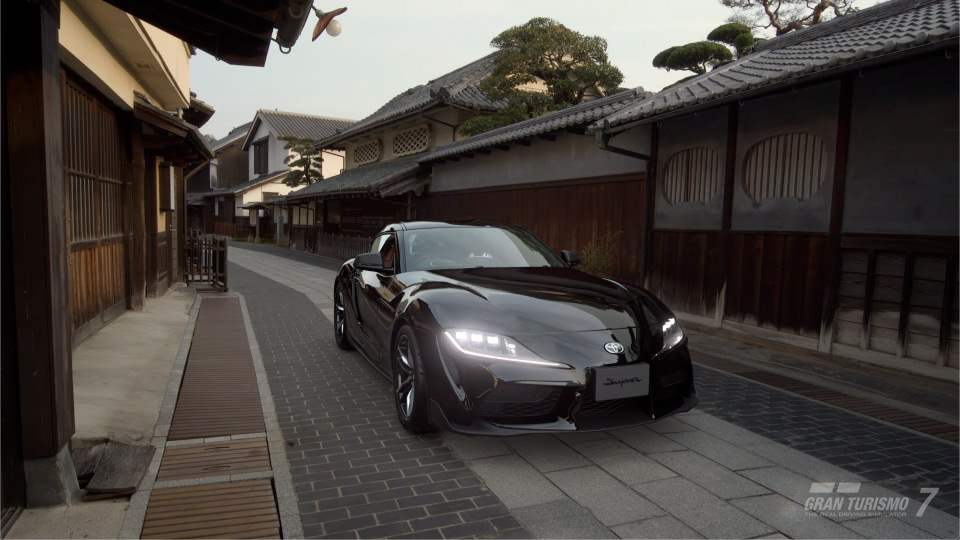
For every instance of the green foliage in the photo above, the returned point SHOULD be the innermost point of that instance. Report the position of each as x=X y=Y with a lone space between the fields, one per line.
x=305 y=162
x=737 y=35
x=696 y=57
x=599 y=257
x=569 y=63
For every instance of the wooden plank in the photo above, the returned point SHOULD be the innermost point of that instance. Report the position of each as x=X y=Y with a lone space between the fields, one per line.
x=905 y=304
x=120 y=469
x=238 y=509
x=946 y=310
x=868 y=298
x=771 y=282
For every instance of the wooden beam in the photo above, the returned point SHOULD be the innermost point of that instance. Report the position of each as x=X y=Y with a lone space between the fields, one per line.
x=905 y=296
x=831 y=294
x=729 y=182
x=649 y=198
x=484 y=151
x=136 y=256
x=150 y=224
x=946 y=310
x=523 y=142
x=33 y=173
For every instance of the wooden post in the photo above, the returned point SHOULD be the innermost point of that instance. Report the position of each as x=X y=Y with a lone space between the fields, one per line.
x=181 y=224
x=836 y=214
x=649 y=198
x=33 y=173
x=150 y=223
x=136 y=255
x=729 y=181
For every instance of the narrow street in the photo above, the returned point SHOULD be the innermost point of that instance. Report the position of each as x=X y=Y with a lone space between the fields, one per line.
x=743 y=464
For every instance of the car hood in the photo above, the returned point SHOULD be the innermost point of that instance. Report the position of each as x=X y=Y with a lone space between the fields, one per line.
x=518 y=301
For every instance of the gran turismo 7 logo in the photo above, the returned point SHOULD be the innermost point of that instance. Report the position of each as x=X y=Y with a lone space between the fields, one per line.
x=843 y=499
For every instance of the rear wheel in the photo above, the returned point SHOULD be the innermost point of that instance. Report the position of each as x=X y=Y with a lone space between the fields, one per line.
x=410 y=396
x=340 y=320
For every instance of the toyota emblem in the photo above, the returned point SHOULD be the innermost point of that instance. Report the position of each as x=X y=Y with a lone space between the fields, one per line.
x=613 y=348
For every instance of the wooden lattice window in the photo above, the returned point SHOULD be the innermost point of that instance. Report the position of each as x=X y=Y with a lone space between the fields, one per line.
x=783 y=166
x=692 y=175
x=411 y=141
x=367 y=152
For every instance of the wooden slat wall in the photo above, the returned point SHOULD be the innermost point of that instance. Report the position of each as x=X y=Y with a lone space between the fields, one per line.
x=233 y=165
x=564 y=215
x=684 y=270
x=776 y=281
x=95 y=171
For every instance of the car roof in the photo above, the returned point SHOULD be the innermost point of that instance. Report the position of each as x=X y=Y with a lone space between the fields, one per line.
x=419 y=225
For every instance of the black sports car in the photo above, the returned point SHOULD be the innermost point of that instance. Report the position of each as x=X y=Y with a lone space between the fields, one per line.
x=483 y=329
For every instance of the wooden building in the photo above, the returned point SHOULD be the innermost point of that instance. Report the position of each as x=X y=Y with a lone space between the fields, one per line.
x=94 y=147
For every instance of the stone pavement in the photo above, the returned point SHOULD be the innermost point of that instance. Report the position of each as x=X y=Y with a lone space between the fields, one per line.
x=358 y=474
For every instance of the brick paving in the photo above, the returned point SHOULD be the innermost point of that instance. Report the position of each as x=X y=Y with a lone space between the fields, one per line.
x=709 y=473
x=899 y=459
x=356 y=471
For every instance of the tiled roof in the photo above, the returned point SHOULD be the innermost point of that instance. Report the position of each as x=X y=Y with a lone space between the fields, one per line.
x=249 y=184
x=296 y=124
x=578 y=115
x=366 y=179
x=842 y=42
x=459 y=87
x=236 y=133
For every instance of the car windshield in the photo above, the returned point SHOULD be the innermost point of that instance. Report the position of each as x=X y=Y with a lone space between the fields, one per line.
x=475 y=247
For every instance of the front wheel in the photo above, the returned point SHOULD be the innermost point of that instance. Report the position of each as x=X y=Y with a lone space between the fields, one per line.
x=340 y=321
x=410 y=396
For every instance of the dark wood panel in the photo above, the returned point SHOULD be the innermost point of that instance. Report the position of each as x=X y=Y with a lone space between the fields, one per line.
x=685 y=270
x=566 y=215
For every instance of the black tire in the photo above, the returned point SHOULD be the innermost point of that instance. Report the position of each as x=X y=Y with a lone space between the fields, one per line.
x=409 y=395
x=340 y=332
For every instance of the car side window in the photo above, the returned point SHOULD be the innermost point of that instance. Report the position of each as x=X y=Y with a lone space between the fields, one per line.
x=377 y=242
x=388 y=250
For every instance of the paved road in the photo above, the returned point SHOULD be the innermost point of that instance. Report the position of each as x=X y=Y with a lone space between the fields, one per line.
x=357 y=474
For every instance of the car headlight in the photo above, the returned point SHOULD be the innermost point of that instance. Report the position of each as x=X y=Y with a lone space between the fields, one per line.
x=494 y=347
x=672 y=334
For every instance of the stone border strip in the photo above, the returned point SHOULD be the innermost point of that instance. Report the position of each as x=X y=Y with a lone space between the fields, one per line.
x=137 y=508
x=290 y=525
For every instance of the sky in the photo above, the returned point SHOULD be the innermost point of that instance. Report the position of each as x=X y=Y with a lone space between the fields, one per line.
x=387 y=47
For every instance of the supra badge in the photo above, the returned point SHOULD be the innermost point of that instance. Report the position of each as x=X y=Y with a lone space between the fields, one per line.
x=613 y=348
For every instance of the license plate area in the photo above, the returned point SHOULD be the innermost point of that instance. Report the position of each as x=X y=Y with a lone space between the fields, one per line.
x=618 y=382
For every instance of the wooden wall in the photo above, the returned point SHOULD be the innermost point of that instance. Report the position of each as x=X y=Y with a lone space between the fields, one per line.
x=566 y=215
x=686 y=272
x=232 y=166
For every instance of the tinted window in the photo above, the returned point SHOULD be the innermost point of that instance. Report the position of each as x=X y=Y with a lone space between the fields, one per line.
x=388 y=250
x=473 y=247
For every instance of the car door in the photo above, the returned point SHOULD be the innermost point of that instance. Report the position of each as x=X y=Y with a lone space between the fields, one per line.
x=382 y=293
x=365 y=314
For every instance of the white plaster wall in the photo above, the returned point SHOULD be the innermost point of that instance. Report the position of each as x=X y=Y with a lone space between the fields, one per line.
x=256 y=194
x=276 y=152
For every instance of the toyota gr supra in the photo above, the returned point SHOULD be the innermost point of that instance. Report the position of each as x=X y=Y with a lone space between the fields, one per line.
x=484 y=330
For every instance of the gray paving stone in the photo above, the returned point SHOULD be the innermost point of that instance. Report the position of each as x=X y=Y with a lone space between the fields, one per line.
x=791 y=518
x=645 y=441
x=475 y=447
x=561 y=519
x=546 y=452
x=623 y=462
x=723 y=430
x=581 y=437
x=885 y=527
x=515 y=481
x=656 y=527
x=611 y=502
x=670 y=425
x=716 y=479
x=933 y=521
x=804 y=464
x=718 y=450
x=702 y=511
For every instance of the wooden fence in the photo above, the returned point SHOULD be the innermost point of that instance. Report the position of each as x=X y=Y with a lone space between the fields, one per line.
x=206 y=260
x=335 y=246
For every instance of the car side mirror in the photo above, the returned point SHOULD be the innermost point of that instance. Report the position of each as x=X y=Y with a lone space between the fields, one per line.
x=370 y=261
x=572 y=258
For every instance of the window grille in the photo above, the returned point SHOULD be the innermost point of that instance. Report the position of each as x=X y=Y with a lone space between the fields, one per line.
x=411 y=141
x=367 y=152
x=692 y=175
x=782 y=166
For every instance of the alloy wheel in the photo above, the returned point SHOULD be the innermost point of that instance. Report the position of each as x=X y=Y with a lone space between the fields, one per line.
x=405 y=380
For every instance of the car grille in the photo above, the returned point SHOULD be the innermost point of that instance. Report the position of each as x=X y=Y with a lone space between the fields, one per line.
x=520 y=401
x=589 y=407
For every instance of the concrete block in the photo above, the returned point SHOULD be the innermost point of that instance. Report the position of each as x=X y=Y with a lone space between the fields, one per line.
x=885 y=527
x=670 y=425
x=656 y=527
x=610 y=501
x=546 y=452
x=724 y=453
x=723 y=430
x=707 y=474
x=702 y=511
x=515 y=481
x=475 y=447
x=645 y=441
x=52 y=480
x=561 y=519
x=623 y=462
x=791 y=518
x=804 y=464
